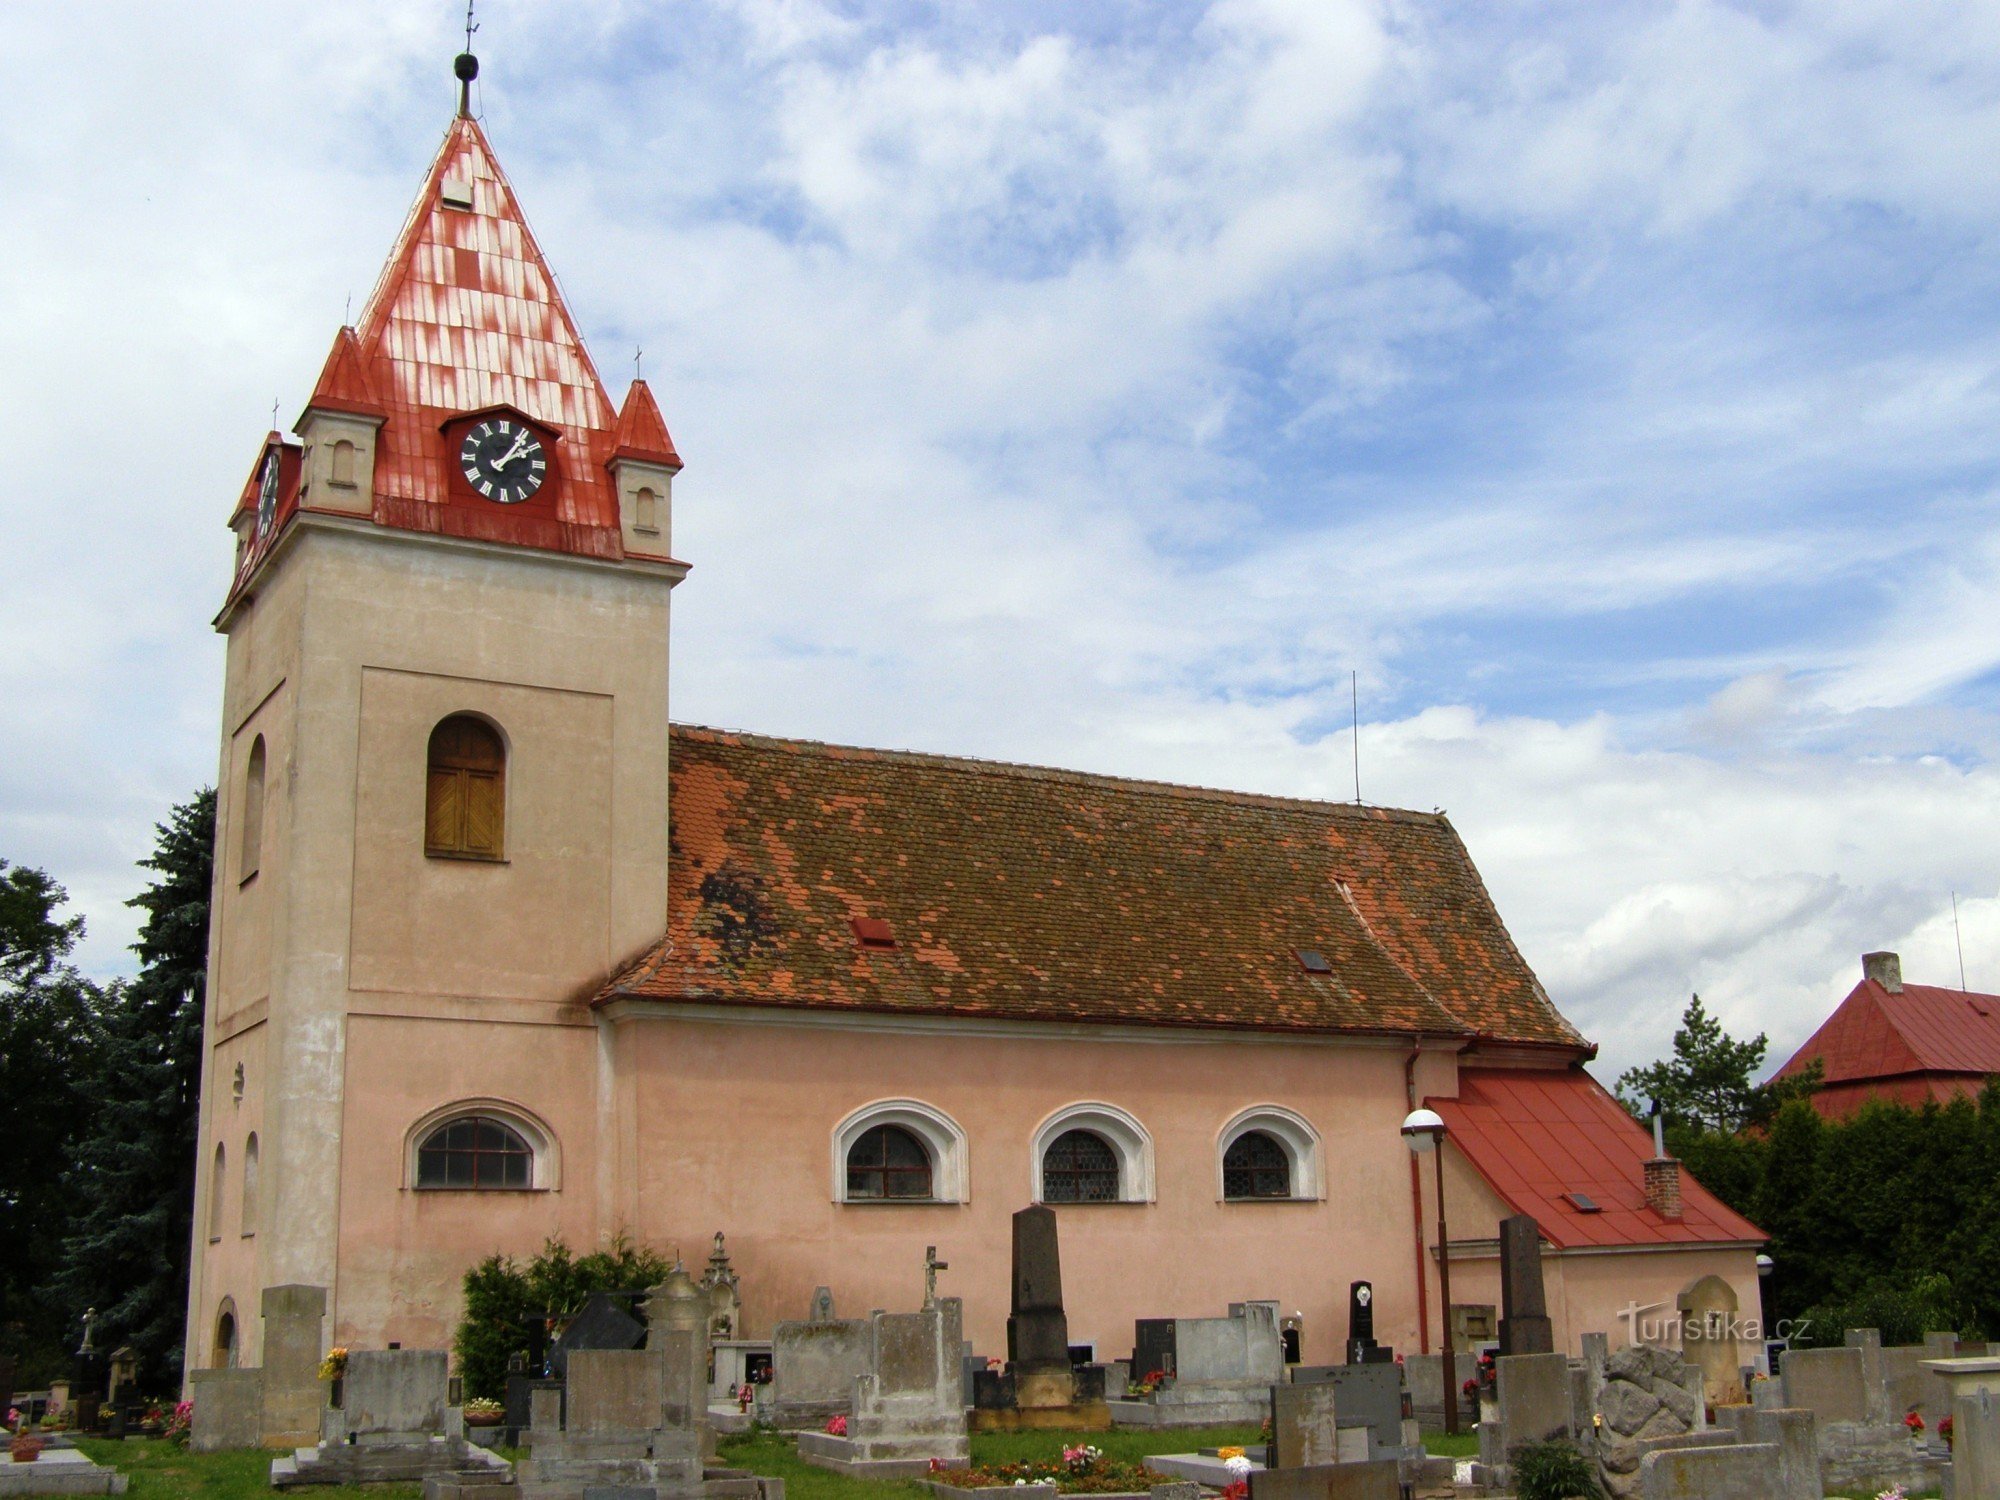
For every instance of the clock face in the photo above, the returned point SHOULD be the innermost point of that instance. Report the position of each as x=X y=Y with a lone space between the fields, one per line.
x=503 y=460
x=267 y=495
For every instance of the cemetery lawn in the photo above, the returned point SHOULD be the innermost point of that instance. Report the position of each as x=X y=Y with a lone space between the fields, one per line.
x=164 y=1471
x=1464 y=1445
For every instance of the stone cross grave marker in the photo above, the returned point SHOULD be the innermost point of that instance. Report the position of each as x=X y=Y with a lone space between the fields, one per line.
x=1524 y=1308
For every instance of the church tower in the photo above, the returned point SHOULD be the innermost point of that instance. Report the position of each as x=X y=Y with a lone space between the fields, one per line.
x=442 y=796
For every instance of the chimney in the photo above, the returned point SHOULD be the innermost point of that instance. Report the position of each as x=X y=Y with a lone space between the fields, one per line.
x=1886 y=969
x=1663 y=1187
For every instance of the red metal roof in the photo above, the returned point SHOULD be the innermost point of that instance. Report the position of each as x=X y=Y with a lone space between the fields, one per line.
x=1537 y=1135
x=466 y=317
x=641 y=432
x=1924 y=1029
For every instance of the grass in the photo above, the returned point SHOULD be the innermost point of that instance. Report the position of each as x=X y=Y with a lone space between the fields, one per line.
x=163 y=1471
x=1445 y=1445
x=772 y=1454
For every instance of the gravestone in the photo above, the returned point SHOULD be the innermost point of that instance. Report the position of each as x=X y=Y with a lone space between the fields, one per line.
x=1742 y=1471
x=909 y=1409
x=228 y=1410
x=1305 y=1427
x=719 y=1286
x=1222 y=1372
x=1360 y=1322
x=814 y=1364
x=1869 y=1342
x=394 y=1424
x=1975 y=1421
x=1152 y=1347
x=1708 y=1338
x=1039 y=1387
x=601 y=1323
x=1352 y=1481
x=1531 y=1396
x=1645 y=1400
x=625 y=1421
x=1794 y=1434
x=294 y=1395
x=822 y=1305
x=1827 y=1382
x=1369 y=1397
x=1524 y=1308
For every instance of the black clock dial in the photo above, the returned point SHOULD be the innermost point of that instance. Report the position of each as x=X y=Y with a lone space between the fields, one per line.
x=267 y=495
x=503 y=460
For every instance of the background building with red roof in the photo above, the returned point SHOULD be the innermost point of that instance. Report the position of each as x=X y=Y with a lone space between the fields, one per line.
x=1906 y=1043
x=501 y=953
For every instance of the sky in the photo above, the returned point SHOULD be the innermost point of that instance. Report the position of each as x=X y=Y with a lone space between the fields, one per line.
x=1604 y=396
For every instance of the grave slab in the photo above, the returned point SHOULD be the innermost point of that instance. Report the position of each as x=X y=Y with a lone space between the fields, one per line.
x=1827 y=1382
x=228 y=1410
x=1737 y=1471
x=59 y=1471
x=1363 y=1481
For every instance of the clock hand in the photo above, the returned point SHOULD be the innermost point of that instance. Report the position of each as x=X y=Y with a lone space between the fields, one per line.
x=520 y=447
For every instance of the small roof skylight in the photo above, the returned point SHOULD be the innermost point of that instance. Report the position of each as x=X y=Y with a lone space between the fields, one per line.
x=1313 y=961
x=873 y=932
x=1583 y=1203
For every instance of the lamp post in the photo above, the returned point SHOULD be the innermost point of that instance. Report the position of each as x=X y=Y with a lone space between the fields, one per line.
x=1422 y=1131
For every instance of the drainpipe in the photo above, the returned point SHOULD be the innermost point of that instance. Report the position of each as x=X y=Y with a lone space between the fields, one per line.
x=1417 y=1202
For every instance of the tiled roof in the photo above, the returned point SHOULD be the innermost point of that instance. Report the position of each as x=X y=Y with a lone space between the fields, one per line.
x=1537 y=1135
x=1023 y=893
x=1923 y=1029
x=343 y=383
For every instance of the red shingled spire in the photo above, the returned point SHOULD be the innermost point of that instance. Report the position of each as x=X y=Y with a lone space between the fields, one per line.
x=641 y=433
x=343 y=382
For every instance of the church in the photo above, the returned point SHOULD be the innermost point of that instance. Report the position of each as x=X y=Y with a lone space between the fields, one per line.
x=502 y=952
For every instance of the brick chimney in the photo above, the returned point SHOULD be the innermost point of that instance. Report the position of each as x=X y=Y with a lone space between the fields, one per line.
x=1886 y=969
x=1663 y=1187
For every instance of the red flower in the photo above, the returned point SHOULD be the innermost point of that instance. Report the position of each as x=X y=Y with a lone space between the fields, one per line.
x=1914 y=1421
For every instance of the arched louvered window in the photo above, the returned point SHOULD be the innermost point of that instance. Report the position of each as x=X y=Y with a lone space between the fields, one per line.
x=475 y=1151
x=888 y=1162
x=645 y=511
x=341 y=468
x=1079 y=1167
x=466 y=799
x=250 y=819
x=1256 y=1166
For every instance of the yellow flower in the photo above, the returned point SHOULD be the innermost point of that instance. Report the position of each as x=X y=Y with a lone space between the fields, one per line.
x=1225 y=1454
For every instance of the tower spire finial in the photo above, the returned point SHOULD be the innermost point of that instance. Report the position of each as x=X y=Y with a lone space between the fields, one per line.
x=466 y=66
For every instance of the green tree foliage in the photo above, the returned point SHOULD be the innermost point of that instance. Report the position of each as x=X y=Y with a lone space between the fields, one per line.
x=132 y=1185
x=501 y=1295
x=1706 y=1084
x=48 y=1069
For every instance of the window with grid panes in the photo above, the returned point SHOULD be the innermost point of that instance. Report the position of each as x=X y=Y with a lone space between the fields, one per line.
x=475 y=1151
x=887 y=1161
x=1256 y=1166
x=1079 y=1167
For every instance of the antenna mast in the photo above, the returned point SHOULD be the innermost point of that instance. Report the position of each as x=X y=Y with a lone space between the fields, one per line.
x=1354 y=688
x=466 y=66
x=1957 y=938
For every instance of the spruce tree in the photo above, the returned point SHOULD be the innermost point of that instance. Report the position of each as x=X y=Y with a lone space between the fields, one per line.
x=132 y=1186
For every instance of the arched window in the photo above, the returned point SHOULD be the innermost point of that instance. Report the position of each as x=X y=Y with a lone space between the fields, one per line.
x=1079 y=1167
x=250 y=1184
x=250 y=821
x=465 y=806
x=224 y=1357
x=475 y=1151
x=1255 y=1166
x=215 y=1179
x=341 y=468
x=887 y=1161
x=1271 y=1154
x=645 y=511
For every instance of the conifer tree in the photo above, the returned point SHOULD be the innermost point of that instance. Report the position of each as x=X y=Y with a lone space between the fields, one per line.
x=132 y=1186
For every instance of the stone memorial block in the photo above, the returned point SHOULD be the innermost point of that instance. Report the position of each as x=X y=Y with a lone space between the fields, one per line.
x=1708 y=1310
x=1531 y=1392
x=390 y=1394
x=228 y=1410
x=1359 y=1481
x=1827 y=1382
x=294 y=1395
x=601 y=1323
x=908 y=1408
x=1746 y=1471
x=614 y=1391
x=1869 y=1342
x=1795 y=1435
x=1369 y=1396
x=1524 y=1310
x=1239 y=1350
x=1975 y=1421
x=1304 y=1429
x=1152 y=1347
x=814 y=1366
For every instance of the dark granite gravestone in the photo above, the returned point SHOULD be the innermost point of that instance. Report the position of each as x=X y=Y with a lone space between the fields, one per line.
x=1038 y=1332
x=1153 y=1347
x=1360 y=1321
x=1524 y=1307
x=603 y=1324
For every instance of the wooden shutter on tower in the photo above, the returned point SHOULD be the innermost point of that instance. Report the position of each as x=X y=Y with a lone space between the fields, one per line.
x=466 y=795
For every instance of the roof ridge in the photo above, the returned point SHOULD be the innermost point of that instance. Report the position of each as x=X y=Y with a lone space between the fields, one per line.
x=984 y=766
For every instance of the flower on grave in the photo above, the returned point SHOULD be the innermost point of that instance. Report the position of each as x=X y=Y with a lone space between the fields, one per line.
x=1082 y=1458
x=1238 y=1467
x=1228 y=1453
x=1238 y=1489
x=484 y=1406
x=1915 y=1422
x=1944 y=1431
x=335 y=1364
x=1895 y=1492
x=837 y=1427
